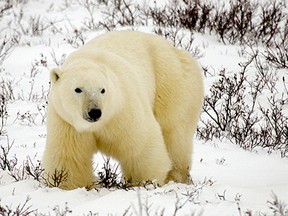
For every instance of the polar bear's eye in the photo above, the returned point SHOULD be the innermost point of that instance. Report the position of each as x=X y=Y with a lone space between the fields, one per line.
x=78 y=90
x=103 y=91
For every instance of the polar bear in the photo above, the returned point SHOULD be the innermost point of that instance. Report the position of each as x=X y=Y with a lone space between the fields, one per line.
x=131 y=96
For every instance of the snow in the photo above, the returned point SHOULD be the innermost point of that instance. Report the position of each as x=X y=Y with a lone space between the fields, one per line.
x=227 y=179
x=228 y=170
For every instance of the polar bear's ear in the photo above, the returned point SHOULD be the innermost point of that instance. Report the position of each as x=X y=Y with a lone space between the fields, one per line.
x=55 y=75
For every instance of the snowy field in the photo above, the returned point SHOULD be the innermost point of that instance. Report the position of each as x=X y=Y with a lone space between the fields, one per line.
x=228 y=180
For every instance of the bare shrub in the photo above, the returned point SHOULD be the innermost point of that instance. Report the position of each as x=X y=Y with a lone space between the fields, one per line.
x=76 y=39
x=164 y=17
x=26 y=29
x=37 y=64
x=144 y=207
x=180 y=39
x=26 y=118
x=278 y=207
x=191 y=15
x=3 y=114
x=235 y=23
x=18 y=173
x=224 y=105
x=274 y=131
x=109 y=176
x=7 y=5
x=33 y=95
x=7 y=162
x=90 y=6
x=25 y=171
x=62 y=212
x=243 y=21
x=34 y=170
x=7 y=89
x=37 y=26
x=42 y=110
x=188 y=15
x=31 y=25
x=20 y=210
x=56 y=178
x=6 y=46
x=122 y=13
x=57 y=61
x=278 y=54
x=6 y=94
x=272 y=13
x=235 y=112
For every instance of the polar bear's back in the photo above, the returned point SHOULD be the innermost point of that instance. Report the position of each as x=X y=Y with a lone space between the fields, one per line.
x=144 y=50
x=135 y=47
x=151 y=52
x=127 y=42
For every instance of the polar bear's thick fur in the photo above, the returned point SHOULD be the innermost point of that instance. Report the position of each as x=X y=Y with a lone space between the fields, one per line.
x=131 y=96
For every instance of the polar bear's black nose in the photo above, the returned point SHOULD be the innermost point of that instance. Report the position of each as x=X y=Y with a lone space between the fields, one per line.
x=94 y=114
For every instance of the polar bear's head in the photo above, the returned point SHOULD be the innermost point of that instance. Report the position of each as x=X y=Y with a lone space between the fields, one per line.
x=83 y=95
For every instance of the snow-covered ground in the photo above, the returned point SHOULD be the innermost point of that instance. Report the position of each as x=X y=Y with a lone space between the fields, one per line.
x=227 y=179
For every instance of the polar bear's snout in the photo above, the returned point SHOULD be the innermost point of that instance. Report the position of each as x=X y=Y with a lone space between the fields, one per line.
x=93 y=115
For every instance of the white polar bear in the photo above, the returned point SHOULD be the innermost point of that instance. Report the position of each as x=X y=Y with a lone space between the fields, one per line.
x=129 y=95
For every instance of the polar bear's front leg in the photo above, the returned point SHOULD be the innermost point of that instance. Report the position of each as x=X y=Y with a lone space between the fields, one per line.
x=68 y=155
x=149 y=161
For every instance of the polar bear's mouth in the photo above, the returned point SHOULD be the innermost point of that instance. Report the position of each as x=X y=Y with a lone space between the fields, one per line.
x=93 y=115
